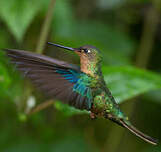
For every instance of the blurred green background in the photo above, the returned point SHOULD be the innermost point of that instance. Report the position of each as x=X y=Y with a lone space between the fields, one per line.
x=128 y=33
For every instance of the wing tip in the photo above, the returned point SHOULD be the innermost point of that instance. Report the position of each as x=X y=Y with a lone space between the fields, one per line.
x=9 y=51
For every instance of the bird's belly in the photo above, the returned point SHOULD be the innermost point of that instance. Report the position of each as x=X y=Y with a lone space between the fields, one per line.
x=99 y=101
x=102 y=103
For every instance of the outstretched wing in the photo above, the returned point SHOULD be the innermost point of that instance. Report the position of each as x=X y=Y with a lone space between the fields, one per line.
x=57 y=79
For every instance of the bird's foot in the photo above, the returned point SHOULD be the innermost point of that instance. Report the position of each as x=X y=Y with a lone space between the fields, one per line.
x=92 y=115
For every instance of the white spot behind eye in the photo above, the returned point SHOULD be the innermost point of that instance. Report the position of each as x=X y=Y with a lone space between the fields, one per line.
x=86 y=51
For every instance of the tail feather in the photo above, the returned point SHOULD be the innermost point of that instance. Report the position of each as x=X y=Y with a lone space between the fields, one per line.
x=139 y=133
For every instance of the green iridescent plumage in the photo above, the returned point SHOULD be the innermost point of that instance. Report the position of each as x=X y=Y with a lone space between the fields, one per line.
x=82 y=87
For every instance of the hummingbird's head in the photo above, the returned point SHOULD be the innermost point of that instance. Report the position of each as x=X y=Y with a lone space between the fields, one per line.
x=87 y=52
x=90 y=58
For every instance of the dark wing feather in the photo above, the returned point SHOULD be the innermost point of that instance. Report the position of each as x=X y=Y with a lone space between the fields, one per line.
x=54 y=77
x=29 y=56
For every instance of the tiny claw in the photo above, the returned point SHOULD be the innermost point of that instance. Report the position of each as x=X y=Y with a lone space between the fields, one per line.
x=92 y=115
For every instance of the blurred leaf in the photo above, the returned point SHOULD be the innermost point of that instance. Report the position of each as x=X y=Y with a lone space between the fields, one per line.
x=11 y=83
x=141 y=1
x=153 y=149
x=153 y=95
x=25 y=146
x=128 y=82
x=63 y=18
x=73 y=144
x=110 y=4
x=70 y=143
x=18 y=14
x=4 y=38
x=5 y=79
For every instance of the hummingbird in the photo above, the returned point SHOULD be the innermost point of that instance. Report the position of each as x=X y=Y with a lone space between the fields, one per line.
x=82 y=87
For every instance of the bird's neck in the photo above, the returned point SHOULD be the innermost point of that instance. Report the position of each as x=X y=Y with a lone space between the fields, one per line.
x=91 y=68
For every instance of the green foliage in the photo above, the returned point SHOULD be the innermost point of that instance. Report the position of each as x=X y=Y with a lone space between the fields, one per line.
x=63 y=17
x=22 y=12
x=11 y=83
x=5 y=79
x=76 y=143
x=128 y=82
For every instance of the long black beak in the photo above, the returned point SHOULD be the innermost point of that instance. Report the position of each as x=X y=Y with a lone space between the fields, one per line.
x=61 y=46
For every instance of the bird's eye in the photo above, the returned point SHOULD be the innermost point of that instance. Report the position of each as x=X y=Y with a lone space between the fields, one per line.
x=86 y=51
